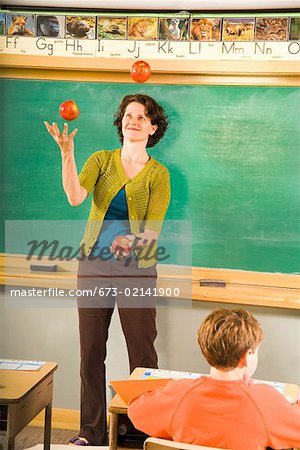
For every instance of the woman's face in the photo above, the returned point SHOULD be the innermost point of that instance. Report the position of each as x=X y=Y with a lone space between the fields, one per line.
x=136 y=126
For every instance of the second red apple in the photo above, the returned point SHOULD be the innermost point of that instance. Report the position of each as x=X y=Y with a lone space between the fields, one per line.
x=140 y=71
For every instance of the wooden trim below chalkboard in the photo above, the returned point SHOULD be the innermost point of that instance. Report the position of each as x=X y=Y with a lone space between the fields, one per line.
x=261 y=73
x=193 y=283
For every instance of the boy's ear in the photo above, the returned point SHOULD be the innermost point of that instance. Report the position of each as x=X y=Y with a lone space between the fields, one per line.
x=244 y=359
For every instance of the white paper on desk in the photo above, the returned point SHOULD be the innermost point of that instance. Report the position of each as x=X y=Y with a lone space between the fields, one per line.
x=17 y=364
x=163 y=373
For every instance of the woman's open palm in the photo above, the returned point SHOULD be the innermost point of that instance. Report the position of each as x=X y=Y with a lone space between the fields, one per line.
x=63 y=140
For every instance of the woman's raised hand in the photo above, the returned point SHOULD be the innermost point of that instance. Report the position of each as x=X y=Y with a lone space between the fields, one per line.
x=63 y=140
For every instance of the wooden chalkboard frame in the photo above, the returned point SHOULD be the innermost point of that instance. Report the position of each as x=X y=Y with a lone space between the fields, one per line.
x=194 y=283
x=259 y=73
x=242 y=287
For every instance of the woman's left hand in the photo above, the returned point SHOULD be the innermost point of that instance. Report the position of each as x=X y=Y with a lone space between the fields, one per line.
x=123 y=246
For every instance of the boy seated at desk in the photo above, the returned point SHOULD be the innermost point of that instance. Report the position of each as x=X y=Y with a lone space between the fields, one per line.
x=226 y=409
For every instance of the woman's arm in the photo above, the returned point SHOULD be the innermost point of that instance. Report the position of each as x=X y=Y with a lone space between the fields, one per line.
x=76 y=193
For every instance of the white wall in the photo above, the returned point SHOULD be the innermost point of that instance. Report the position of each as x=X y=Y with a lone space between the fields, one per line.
x=52 y=334
x=170 y=5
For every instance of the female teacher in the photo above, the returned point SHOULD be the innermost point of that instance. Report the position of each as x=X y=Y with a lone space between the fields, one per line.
x=131 y=194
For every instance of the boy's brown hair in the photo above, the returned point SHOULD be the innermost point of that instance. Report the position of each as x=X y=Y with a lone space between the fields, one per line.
x=226 y=335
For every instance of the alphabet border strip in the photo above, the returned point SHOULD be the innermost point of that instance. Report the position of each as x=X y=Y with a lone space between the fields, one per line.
x=178 y=36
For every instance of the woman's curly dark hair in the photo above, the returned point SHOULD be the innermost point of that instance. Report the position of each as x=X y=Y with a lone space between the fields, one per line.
x=153 y=110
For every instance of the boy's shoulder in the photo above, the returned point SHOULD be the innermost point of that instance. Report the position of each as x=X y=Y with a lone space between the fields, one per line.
x=264 y=392
x=185 y=384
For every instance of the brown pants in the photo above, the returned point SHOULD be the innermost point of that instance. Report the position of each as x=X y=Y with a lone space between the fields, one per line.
x=110 y=281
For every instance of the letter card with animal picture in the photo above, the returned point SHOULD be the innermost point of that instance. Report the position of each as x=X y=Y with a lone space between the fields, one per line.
x=174 y=29
x=81 y=27
x=142 y=28
x=295 y=29
x=20 y=25
x=205 y=29
x=111 y=27
x=2 y=24
x=50 y=26
x=271 y=28
x=238 y=29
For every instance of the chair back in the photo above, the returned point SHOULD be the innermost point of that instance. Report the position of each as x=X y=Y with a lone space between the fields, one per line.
x=164 y=444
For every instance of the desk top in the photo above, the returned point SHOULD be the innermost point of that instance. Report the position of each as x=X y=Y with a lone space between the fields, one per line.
x=15 y=384
x=117 y=405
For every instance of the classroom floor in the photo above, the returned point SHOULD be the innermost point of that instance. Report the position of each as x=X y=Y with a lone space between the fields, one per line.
x=33 y=437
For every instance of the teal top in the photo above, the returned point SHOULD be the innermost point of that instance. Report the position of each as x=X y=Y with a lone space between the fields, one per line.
x=116 y=223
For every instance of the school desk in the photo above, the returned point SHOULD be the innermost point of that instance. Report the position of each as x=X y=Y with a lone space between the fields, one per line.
x=24 y=394
x=118 y=409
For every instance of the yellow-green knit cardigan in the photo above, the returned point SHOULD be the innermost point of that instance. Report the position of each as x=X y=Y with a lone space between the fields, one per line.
x=147 y=195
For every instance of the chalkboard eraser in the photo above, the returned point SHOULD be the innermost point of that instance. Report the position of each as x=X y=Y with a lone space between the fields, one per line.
x=212 y=283
x=43 y=267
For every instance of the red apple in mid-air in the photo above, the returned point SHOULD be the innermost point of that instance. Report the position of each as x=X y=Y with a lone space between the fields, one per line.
x=121 y=243
x=140 y=71
x=69 y=110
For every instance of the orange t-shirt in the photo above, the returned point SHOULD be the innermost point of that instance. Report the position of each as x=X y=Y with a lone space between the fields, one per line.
x=237 y=415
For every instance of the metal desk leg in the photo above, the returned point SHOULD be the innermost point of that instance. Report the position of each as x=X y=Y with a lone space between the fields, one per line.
x=47 y=427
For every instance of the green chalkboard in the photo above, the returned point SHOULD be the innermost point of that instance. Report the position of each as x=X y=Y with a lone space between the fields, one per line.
x=232 y=152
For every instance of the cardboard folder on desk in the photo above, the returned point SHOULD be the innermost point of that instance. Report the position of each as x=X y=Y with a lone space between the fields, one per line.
x=128 y=389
